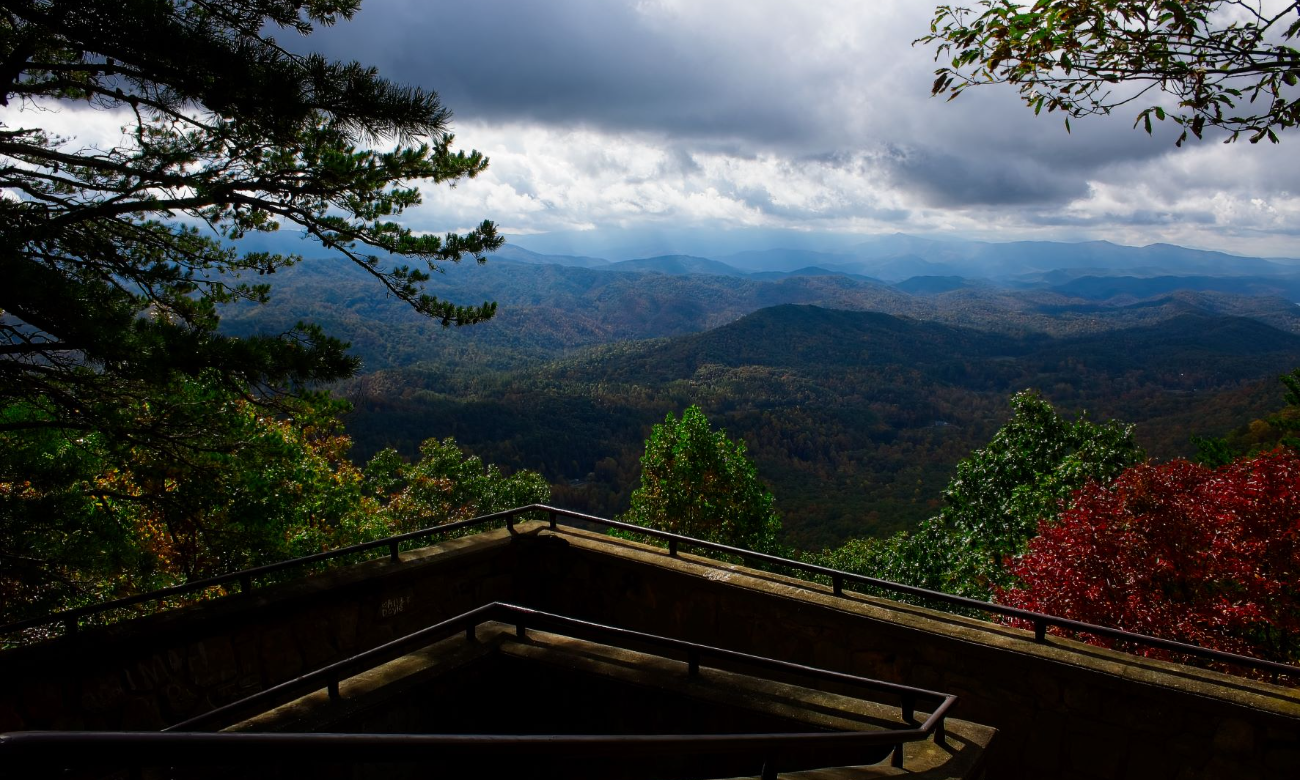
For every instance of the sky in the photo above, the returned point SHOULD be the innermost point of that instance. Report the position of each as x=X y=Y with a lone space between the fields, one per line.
x=721 y=115
x=751 y=117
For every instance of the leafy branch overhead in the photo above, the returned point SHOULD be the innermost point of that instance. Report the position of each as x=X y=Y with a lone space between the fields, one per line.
x=115 y=256
x=1198 y=63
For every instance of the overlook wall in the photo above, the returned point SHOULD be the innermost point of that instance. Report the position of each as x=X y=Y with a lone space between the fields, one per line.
x=159 y=670
x=1064 y=709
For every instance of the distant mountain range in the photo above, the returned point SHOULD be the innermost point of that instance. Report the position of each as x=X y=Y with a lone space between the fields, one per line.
x=548 y=310
x=895 y=258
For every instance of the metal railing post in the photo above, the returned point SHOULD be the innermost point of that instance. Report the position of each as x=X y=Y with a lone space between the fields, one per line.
x=553 y=520
x=394 y=554
x=672 y=547
x=896 y=758
x=1040 y=631
x=837 y=585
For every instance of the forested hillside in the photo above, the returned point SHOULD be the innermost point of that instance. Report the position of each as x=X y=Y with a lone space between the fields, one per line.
x=855 y=419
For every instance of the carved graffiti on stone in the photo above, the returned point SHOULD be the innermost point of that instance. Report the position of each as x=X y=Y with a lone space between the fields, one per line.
x=395 y=605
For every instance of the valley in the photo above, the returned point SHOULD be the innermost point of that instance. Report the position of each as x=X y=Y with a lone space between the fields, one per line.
x=856 y=397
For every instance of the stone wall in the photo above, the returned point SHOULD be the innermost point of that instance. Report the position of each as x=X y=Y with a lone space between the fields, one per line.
x=1063 y=709
x=159 y=670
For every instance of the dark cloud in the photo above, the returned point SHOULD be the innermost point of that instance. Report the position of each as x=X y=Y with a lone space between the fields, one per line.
x=943 y=179
x=593 y=62
x=710 y=94
x=608 y=65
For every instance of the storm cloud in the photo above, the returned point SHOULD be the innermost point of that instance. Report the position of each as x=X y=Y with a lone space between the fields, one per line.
x=814 y=116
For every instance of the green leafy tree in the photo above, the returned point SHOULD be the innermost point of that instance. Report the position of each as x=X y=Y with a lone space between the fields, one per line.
x=112 y=288
x=138 y=445
x=89 y=521
x=994 y=503
x=92 y=518
x=1220 y=63
x=446 y=485
x=697 y=482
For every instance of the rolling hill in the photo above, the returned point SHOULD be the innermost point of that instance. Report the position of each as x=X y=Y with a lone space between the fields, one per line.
x=854 y=418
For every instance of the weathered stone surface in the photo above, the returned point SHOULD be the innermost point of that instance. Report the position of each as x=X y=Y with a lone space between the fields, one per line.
x=10 y=720
x=212 y=662
x=142 y=714
x=1234 y=736
x=1161 y=720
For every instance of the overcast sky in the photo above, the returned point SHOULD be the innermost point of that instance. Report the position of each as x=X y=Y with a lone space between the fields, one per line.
x=807 y=114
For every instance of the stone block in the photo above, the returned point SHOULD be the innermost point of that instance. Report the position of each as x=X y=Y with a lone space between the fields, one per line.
x=1092 y=748
x=1283 y=760
x=315 y=637
x=248 y=659
x=1144 y=764
x=345 y=627
x=10 y=719
x=1234 y=736
x=142 y=714
x=212 y=662
x=42 y=703
x=102 y=693
x=1041 y=751
x=1080 y=699
x=280 y=657
x=179 y=701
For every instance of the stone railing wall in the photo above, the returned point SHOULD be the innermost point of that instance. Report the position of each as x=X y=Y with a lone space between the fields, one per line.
x=159 y=670
x=1064 y=710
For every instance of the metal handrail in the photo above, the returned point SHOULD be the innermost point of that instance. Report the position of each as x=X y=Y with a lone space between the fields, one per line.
x=838 y=578
x=182 y=744
x=71 y=617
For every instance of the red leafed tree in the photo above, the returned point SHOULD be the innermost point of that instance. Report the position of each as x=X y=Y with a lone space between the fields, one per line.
x=1205 y=556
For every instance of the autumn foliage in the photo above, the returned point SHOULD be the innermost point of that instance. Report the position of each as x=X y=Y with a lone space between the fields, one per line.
x=1205 y=556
